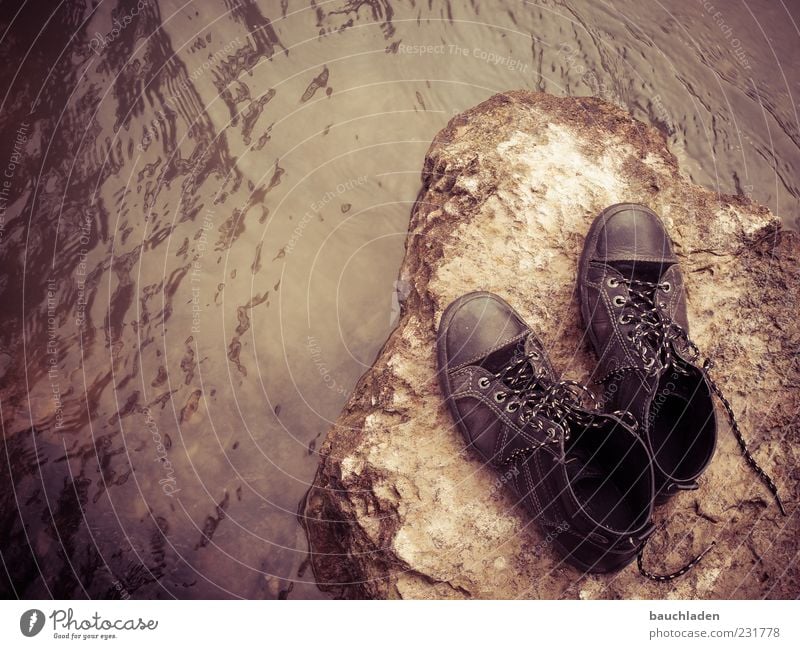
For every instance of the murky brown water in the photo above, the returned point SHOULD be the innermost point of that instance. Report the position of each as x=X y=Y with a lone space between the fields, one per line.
x=203 y=214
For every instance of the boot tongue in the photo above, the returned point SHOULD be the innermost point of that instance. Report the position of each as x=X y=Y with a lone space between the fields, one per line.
x=499 y=358
x=579 y=468
x=645 y=271
x=632 y=393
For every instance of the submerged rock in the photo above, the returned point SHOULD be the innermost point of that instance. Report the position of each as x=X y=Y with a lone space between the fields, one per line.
x=399 y=508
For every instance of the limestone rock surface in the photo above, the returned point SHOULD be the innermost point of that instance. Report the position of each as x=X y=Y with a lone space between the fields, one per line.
x=400 y=508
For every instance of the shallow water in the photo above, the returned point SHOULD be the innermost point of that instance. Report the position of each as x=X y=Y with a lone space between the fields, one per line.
x=204 y=207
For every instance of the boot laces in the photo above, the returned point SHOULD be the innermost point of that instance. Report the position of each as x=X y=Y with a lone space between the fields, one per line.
x=658 y=339
x=672 y=575
x=655 y=335
x=539 y=395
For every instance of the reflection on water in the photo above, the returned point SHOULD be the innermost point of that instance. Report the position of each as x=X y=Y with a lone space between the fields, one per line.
x=203 y=212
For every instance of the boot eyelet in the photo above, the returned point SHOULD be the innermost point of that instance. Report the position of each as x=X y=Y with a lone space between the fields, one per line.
x=650 y=362
x=500 y=397
x=619 y=300
x=612 y=282
x=535 y=355
x=551 y=434
x=483 y=382
x=512 y=406
x=624 y=319
x=630 y=335
x=666 y=287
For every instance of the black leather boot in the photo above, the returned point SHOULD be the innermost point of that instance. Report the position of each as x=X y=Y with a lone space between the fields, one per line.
x=633 y=304
x=584 y=476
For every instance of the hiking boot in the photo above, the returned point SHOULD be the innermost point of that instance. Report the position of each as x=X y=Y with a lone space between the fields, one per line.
x=634 y=308
x=584 y=476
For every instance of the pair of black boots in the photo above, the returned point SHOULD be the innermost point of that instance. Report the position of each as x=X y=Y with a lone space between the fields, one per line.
x=590 y=473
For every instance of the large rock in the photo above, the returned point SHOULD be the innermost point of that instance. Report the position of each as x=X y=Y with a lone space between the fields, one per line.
x=400 y=509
